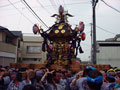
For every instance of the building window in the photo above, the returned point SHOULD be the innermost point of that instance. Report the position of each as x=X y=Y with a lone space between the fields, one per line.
x=33 y=49
x=31 y=59
x=8 y=40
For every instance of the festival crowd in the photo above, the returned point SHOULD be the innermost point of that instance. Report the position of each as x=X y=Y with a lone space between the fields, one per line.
x=65 y=79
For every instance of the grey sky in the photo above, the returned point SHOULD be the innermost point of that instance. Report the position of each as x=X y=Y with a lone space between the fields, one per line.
x=106 y=17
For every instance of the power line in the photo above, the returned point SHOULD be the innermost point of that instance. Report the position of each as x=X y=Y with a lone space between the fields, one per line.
x=105 y=30
x=9 y=15
x=9 y=4
x=58 y=2
x=53 y=5
x=33 y=12
x=110 y=6
x=78 y=3
x=65 y=4
x=20 y=11
x=88 y=32
x=43 y=7
x=61 y=3
x=69 y=4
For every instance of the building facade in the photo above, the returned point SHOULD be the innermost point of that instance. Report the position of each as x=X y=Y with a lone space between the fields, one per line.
x=109 y=51
x=31 y=50
x=9 y=46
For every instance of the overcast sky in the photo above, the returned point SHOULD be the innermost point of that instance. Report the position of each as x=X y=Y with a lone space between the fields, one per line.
x=106 y=18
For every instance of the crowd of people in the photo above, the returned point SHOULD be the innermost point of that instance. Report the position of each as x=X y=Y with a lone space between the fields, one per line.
x=65 y=79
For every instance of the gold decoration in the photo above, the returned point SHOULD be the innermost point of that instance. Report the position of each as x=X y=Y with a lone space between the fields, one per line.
x=56 y=31
x=59 y=62
x=63 y=31
x=60 y=26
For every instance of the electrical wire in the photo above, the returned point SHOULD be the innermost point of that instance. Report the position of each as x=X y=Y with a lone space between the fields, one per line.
x=20 y=11
x=9 y=4
x=88 y=32
x=65 y=5
x=43 y=7
x=53 y=5
x=78 y=3
x=105 y=30
x=95 y=3
x=69 y=4
x=110 y=6
x=33 y=12
x=58 y=2
x=9 y=15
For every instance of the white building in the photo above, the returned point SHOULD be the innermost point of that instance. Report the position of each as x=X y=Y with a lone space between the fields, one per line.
x=31 y=49
x=109 y=51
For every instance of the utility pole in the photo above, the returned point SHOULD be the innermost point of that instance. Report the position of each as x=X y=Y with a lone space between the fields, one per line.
x=94 y=2
x=91 y=41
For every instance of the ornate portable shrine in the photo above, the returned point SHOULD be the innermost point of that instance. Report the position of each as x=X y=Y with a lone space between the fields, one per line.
x=61 y=42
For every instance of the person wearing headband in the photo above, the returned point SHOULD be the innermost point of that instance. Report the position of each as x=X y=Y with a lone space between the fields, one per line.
x=80 y=83
x=111 y=79
x=87 y=70
x=117 y=71
x=117 y=79
x=91 y=67
x=111 y=75
x=94 y=80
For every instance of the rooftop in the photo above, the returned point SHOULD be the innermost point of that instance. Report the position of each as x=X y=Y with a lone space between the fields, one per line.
x=12 y=34
x=115 y=39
